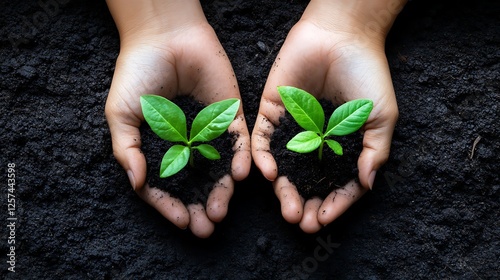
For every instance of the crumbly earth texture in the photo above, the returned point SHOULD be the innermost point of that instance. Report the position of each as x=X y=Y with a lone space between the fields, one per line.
x=433 y=212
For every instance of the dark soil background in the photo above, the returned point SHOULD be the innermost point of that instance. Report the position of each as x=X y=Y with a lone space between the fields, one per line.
x=433 y=212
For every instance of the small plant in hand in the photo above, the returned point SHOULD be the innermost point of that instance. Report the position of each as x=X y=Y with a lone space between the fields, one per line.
x=309 y=114
x=168 y=121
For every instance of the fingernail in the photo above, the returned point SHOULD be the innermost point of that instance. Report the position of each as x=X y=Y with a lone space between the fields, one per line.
x=371 y=179
x=131 y=178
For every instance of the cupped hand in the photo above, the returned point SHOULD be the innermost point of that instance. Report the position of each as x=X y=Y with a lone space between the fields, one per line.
x=338 y=66
x=187 y=59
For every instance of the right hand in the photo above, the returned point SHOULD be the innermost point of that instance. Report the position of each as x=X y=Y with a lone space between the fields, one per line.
x=180 y=58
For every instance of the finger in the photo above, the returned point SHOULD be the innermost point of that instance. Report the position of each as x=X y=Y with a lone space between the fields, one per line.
x=292 y=205
x=242 y=159
x=126 y=141
x=218 y=199
x=338 y=201
x=309 y=222
x=376 y=145
x=199 y=224
x=270 y=111
x=261 y=148
x=171 y=208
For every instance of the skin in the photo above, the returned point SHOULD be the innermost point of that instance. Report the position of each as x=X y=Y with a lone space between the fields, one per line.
x=335 y=52
x=168 y=48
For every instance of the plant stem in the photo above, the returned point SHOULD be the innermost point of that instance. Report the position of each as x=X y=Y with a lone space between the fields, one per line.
x=320 y=150
x=191 y=156
x=191 y=159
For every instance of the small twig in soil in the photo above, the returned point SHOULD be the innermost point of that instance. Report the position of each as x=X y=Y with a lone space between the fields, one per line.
x=320 y=180
x=471 y=155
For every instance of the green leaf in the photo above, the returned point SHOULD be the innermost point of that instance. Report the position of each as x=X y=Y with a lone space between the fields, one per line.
x=349 y=117
x=208 y=151
x=165 y=118
x=335 y=146
x=213 y=120
x=174 y=160
x=303 y=107
x=304 y=142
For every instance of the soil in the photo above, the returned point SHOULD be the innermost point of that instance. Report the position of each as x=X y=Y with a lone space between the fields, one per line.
x=433 y=212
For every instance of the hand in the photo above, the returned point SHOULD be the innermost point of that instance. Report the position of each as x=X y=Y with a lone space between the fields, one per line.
x=330 y=56
x=168 y=58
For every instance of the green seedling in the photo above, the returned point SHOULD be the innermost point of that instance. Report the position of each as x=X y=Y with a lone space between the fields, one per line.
x=168 y=121
x=309 y=114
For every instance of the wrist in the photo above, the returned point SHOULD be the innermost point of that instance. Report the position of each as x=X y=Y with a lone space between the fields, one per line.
x=136 y=20
x=368 y=20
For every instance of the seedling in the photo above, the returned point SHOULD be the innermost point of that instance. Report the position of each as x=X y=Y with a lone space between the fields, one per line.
x=309 y=114
x=168 y=121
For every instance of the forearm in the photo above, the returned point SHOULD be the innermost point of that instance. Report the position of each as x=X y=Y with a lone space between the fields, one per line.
x=370 y=18
x=143 y=17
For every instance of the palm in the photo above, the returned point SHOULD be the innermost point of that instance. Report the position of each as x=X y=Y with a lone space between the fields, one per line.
x=336 y=67
x=192 y=63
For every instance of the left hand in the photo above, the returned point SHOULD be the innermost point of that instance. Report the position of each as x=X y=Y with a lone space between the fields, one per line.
x=337 y=63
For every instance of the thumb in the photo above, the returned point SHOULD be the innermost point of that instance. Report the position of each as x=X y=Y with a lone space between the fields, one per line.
x=376 y=146
x=126 y=140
